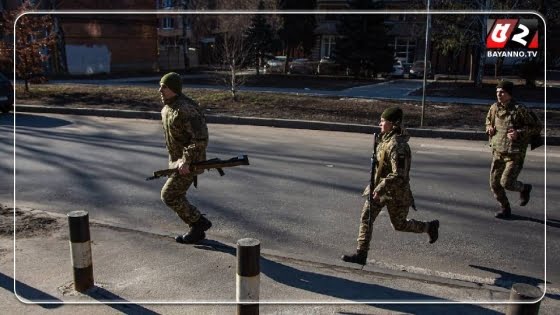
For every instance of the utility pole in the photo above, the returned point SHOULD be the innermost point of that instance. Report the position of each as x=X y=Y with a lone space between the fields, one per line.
x=428 y=25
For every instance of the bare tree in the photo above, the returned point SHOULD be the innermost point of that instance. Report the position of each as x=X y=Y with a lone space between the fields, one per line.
x=235 y=52
x=232 y=46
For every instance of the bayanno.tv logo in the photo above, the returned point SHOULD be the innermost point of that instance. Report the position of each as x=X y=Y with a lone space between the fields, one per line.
x=512 y=34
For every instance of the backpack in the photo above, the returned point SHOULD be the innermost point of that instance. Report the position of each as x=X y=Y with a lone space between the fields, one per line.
x=536 y=140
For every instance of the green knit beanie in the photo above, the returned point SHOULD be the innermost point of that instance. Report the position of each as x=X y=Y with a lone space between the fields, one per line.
x=506 y=86
x=393 y=114
x=173 y=81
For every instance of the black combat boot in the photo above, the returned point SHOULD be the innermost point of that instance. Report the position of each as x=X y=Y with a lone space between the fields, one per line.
x=360 y=257
x=196 y=234
x=504 y=213
x=433 y=231
x=525 y=194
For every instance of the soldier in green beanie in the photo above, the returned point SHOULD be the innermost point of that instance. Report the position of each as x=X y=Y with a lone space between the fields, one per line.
x=509 y=126
x=392 y=187
x=186 y=139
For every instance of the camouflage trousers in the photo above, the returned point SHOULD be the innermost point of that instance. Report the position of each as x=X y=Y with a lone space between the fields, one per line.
x=173 y=194
x=503 y=175
x=397 y=214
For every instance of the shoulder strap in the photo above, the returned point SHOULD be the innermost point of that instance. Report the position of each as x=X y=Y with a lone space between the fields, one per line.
x=493 y=109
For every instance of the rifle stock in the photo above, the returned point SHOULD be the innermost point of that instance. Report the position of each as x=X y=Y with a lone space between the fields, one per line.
x=214 y=163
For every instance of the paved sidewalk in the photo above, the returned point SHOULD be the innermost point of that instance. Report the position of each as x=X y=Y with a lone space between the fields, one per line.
x=146 y=273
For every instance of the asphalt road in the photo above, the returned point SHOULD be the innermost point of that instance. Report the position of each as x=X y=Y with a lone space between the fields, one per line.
x=300 y=195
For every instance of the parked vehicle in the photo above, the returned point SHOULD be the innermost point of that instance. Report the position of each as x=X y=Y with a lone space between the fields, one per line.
x=398 y=70
x=275 y=65
x=6 y=94
x=301 y=66
x=328 y=66
x=417 y=70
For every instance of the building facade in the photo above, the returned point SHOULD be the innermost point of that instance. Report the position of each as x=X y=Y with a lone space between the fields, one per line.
x=99 y=43
x=406 y=31
x=174 y=33
x=109 y=43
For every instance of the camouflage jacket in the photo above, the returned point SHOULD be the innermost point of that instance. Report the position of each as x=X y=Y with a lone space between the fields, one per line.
x=516 y=116
x=186 y=133
x=392 y=176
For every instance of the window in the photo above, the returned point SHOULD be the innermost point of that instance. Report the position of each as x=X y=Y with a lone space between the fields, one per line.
x=327 y=46
x=404 y=49
x=167 y=23
x=167 y=3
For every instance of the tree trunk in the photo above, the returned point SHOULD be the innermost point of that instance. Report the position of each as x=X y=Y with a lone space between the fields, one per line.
x=288 y=55
x=233 y=85
x=258 y=62
x=184 y=22
x=481 y=56
x=472 y=66
x=482 y=44
x=26 y=86
x=498 y=67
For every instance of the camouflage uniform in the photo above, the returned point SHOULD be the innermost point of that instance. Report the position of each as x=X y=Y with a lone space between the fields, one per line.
x=186 y=138
x=509 y=155
x=392 y=186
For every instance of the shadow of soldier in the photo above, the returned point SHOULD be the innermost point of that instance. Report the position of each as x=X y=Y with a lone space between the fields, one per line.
x=549 y=222
x=506 y=279
x=349 y=289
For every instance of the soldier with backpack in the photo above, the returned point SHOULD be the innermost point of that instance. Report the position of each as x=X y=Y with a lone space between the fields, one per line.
x=510 y=127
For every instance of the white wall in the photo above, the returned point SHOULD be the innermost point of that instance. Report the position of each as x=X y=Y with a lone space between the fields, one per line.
x=83 y=59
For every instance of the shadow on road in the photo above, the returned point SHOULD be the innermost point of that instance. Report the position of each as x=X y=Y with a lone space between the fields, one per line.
x=349 y=289
x=28 y=292
x=506 y=279
x=34 y=121
x=120 y=305
x=549 y=222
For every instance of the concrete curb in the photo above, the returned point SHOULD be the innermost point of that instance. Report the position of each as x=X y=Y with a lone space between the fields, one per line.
x=270 y=122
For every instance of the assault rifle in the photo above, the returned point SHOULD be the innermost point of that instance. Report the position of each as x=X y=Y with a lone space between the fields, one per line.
x=373 y=173
x=214 y=163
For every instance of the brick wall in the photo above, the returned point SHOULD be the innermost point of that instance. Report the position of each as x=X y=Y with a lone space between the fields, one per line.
x=128 y=43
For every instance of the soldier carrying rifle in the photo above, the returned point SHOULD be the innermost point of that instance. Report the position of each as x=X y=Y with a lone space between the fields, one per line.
x=389 y=186
x=186 y=139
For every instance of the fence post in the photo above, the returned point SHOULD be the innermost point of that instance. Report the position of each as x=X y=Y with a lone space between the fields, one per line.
x=521 y=292
x=248 y=276
x=80 y=250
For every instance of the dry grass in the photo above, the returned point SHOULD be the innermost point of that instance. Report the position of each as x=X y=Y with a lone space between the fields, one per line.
x=268 y=105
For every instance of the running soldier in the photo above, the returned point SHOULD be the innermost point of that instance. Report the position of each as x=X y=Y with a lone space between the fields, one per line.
x=186 y=139
x=392 y=188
